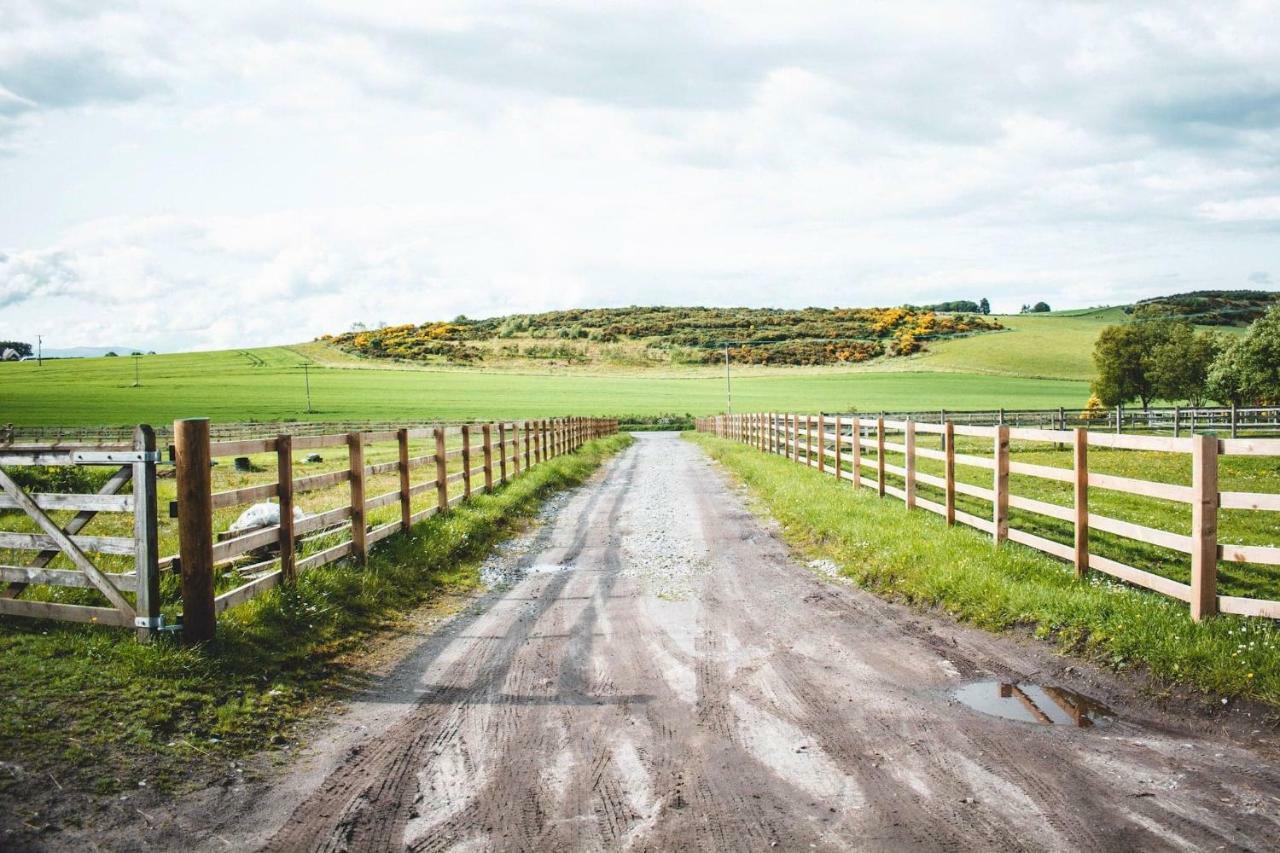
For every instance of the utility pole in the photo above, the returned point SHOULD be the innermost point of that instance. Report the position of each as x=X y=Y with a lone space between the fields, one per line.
x=306 y=377
x=39 y=350
x=728 y=386
x=137 y=380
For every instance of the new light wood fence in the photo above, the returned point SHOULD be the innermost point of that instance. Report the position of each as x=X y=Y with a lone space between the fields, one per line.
x=429 y=469
x=854 y=448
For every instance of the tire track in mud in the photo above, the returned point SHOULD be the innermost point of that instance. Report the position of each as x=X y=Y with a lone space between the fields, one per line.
x=369 y=794
x=680 y=683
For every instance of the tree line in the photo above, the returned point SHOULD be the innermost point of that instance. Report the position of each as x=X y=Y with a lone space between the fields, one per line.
x=1165 y=358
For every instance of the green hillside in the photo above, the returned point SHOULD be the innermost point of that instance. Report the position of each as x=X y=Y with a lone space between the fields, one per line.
x=268 y=384
x=662 y=335
x=1054 y=346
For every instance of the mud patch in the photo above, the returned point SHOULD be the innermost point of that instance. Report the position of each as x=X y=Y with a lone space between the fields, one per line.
x=1033 y=703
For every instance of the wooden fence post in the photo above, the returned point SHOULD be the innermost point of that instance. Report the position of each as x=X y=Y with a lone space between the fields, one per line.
x=1081 y=491
x=857 y=453
x=880 y=455
x=442 y=471
x=822 y=443
x=146 y=561
x=466 y=462
x=487 y=432
x=502 y=452
x=528 y=445
x=406 y=498
x=503 y=448
x=949 y=446
x=284 y=490
x=359 y=530
x=809 y=458
x=195 y=527
x=839 y=441
x=1000 y=506
x=909 y=439
x=1204 y=526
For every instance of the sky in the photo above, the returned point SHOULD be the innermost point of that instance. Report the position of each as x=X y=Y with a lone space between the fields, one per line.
x=196 y=175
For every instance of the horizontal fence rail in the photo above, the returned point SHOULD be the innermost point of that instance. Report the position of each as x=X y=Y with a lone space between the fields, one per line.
x=853 y=447
x=436 y=465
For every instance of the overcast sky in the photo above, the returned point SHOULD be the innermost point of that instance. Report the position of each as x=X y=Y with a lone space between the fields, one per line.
x=212 y=174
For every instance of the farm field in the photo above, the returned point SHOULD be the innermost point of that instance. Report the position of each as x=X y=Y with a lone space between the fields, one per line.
x=268 y=384
x=1049 y=346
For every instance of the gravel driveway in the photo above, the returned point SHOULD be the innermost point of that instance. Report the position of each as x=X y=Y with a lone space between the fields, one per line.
x=652 y=670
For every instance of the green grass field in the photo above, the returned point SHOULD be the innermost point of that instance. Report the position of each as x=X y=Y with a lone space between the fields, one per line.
x=1041 y=362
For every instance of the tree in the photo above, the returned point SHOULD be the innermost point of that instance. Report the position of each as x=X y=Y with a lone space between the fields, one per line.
x=1247 y=371
x=1122 y=357
x=1040 y=308
x=20 y=347
x=984 y=306
x=1179 y=365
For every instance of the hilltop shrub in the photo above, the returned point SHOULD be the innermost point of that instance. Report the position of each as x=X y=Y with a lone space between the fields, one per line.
x=687 y=335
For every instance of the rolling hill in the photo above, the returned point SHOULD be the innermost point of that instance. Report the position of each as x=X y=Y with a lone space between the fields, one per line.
x=1032 y=361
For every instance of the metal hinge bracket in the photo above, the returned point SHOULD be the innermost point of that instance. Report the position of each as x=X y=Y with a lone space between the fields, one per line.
x=115 y=457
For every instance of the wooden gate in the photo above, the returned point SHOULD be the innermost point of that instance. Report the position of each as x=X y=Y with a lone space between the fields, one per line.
x=135 y=466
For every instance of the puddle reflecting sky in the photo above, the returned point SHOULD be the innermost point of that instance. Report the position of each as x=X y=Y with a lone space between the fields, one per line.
x=1033 y=703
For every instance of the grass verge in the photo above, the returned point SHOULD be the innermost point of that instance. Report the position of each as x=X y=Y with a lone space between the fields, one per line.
x=95 y=710
x=914 y=557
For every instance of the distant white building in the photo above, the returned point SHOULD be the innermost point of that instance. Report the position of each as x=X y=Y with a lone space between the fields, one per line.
x=10 y=354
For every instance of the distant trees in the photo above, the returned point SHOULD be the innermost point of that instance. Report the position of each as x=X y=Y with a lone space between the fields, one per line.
x=1166 y=359
x=1179 y=364
x=1119 y=354
x=1038 y=308
x=967 y=306
x=22 y=348
x=984 y=306
x=1247 y=370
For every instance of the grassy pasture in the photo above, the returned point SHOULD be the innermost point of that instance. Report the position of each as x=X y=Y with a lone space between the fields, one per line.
x=268 y=384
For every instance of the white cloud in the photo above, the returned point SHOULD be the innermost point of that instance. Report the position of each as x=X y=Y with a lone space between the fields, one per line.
x=182 y=174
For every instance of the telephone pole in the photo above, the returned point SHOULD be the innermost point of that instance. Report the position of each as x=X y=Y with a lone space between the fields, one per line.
x=728 y=385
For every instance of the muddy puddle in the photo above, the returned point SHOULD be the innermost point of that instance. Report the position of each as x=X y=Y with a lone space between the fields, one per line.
x=1034 y=703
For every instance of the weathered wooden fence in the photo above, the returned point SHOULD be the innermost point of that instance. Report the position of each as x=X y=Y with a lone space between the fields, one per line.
x=135 y=465
x=836 y=443
x=459 y=461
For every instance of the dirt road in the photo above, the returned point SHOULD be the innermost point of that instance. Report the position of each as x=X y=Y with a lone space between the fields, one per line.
x=659 y=674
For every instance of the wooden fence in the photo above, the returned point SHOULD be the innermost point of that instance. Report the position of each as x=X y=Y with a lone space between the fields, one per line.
x=1179 y=420
x=836 y=444
x=459 y=461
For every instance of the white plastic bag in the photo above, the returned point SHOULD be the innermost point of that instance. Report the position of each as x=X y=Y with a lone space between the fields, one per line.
x=264 y=514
